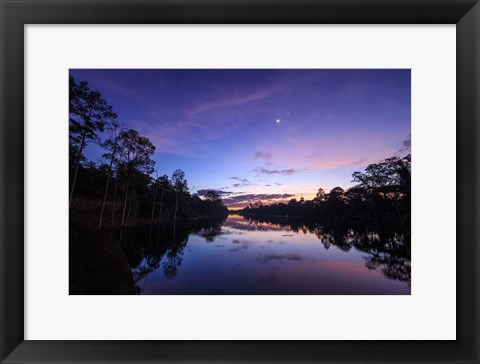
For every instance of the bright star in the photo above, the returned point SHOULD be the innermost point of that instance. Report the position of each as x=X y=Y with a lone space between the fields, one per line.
x=278 y=120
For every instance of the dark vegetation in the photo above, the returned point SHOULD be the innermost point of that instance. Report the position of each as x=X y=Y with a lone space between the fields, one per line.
x=382 y=196
x=119 y=191
x=162 y=245
x=121 y=186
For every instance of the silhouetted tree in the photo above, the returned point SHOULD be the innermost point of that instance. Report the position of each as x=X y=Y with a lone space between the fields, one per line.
x=213 y=197
x=111 y=145
x=382 y=193
x=180 y=186
x=164 y=185
x=214 y=203
x=388 y=185
x=88 y=114
x=320 y=196
x=134 y=153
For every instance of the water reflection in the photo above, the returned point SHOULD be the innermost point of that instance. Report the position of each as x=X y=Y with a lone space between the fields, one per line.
x=240 y=255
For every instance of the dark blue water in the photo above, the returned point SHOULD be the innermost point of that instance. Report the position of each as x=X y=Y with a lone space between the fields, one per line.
x=237 y=255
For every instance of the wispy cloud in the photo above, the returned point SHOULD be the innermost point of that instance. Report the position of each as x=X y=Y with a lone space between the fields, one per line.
x=218 y=192
x=243 y=200
x=233 y=101
x=320 y=164
x=244 y=180
x=283 y=172
x=263 y=155
x=406 y=145
x=241 y=184
x=324 y=149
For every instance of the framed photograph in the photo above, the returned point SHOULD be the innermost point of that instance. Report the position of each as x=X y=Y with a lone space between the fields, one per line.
x=204 y=198
x=240 y=181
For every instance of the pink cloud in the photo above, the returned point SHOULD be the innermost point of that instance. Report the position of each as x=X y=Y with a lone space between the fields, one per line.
x=233 y=101
x=302 y=151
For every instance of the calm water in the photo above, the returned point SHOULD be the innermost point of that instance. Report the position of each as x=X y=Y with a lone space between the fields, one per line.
x=238 y=255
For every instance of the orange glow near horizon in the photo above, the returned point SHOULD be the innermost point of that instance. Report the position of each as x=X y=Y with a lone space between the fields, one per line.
x=241 y=205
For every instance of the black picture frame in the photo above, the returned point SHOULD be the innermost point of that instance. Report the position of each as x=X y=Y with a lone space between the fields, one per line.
x=17 y=13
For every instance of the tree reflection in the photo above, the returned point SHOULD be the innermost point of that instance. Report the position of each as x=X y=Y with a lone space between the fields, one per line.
x=162 y=247
x=387 y=248
x=211 y=228
x=174 y=254
x=149 y=248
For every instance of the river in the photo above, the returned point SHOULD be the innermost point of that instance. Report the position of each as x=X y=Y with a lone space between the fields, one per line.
x=264 y=256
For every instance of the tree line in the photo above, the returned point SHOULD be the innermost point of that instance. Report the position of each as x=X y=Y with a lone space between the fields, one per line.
x=382 y=195
x=124 y=186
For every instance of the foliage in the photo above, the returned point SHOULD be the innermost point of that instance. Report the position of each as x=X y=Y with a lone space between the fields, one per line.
x=130 y=193
x=89 y=113
x=382 y=195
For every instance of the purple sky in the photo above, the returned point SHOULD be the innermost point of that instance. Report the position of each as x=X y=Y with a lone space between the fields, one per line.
x=261 y=134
